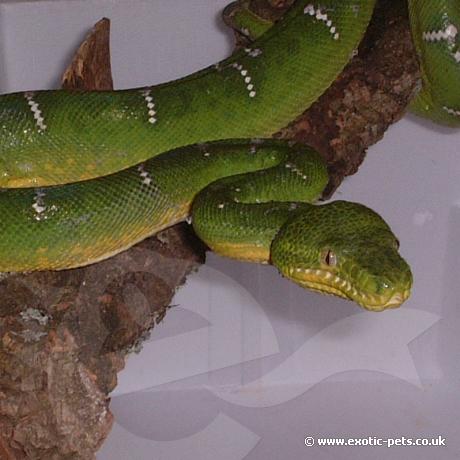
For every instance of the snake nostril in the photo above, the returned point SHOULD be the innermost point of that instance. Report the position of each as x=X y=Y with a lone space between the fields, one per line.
x=384 y=287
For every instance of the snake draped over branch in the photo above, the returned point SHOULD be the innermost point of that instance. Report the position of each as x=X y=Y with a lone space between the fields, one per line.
x=85 y=175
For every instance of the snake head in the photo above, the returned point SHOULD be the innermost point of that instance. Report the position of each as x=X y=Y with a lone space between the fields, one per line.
x=344 y=249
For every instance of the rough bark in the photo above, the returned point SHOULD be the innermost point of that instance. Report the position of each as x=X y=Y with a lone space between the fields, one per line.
x=90 y=68
x=65 y=335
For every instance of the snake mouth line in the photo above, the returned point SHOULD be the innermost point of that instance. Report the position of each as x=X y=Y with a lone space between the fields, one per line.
x=326 y=282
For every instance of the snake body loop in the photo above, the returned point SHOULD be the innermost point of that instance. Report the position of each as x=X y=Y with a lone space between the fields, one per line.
x=247 y=199
x=50 y=137
x=228 y=192
x=436 y=34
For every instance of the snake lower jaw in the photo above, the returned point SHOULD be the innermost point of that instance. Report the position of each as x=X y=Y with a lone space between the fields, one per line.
x=395 y=301
x=249 y=252
x=325 y=282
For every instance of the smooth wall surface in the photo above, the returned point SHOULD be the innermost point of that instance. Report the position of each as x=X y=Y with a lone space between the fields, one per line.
x=249 y=365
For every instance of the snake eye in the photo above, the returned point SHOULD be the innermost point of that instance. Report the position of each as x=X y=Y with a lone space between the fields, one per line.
x=330 y=258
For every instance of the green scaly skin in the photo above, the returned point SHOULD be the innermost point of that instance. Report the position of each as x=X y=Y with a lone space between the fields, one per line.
x=439 y=54
x=436 y=33
x=228 y=192
x=51 y=137
x=72 y=225
x=366 y=267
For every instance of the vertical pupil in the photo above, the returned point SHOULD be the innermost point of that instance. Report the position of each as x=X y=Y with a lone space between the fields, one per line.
x=330 y=258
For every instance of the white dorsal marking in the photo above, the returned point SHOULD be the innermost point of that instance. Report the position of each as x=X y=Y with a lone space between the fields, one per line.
x=448 y=34
x=150 y=105
x=247 y=78
x=295 y=170
x=37 y=113
x=39 y=203
x=455 y=113
x=320 y=16
x=145 y=176
x=256 y=52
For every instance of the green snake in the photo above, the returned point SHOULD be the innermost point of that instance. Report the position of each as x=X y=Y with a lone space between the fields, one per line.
x=82 y=177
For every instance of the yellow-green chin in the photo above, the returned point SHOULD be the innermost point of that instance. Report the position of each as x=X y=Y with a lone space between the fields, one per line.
x=326 y=282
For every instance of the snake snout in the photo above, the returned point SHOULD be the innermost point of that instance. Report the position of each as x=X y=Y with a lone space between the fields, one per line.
x=387 y=284
x=379 y=294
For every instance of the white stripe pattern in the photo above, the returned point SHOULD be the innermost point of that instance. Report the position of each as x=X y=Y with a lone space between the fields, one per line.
x=455 y=113
x=253 y=52
x=150 y=105
x=39 y=120
x=296 y=171
x=448 y=34
x=320 y=16
x=39 y=203
x=145 y=176
x=247 y=78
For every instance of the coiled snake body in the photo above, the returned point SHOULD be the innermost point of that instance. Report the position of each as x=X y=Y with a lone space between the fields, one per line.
x=249 y=199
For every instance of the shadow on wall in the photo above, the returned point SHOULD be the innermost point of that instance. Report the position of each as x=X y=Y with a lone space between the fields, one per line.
x=430 y=125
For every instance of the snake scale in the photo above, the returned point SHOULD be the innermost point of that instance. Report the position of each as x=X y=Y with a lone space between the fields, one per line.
x=84 y=176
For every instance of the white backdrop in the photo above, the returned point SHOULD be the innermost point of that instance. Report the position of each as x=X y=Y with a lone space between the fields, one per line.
x=249 y=364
